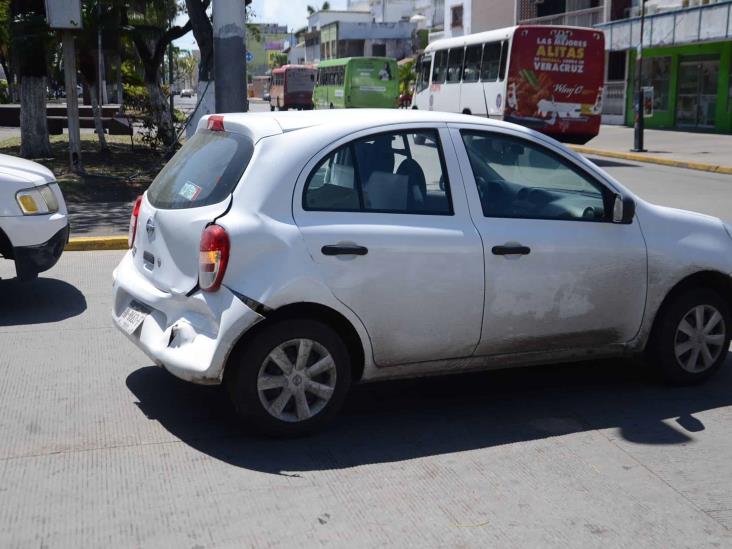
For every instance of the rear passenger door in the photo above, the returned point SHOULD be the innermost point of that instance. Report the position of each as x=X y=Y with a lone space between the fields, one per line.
x=386 y=220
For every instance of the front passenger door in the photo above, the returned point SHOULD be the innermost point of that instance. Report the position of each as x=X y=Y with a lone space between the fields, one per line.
x=559 y=273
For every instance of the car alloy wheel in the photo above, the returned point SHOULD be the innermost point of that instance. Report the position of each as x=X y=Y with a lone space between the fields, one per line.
x=296 y=380
x=700 y=338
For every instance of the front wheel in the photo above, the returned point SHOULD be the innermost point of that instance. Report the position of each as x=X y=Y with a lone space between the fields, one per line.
x=291 y=379
x=691 y=338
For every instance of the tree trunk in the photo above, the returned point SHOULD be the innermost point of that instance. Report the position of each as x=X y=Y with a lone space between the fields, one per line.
x=34 y=142
x=98 y=127
x=160 y=112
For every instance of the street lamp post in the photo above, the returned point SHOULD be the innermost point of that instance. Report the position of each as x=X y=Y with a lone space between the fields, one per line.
x=639 y=121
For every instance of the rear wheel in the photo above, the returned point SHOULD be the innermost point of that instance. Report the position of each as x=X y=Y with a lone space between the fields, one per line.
x=691 y=338
x=291 y=379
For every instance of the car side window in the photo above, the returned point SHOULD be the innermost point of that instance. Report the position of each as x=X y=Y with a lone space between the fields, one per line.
x=519 y=179
x=332 y=186
x=399 y=172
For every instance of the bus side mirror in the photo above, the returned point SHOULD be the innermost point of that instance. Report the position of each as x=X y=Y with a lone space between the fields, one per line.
x=623 y=210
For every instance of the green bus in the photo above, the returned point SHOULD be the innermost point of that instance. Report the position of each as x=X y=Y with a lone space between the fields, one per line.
x=357 y=82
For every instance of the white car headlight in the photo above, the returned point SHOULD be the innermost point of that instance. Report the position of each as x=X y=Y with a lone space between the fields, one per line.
x=37 y=200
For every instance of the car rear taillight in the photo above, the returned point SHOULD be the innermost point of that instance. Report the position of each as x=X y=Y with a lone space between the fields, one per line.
x=133 y=222
x=213 y=257
x=216 y=123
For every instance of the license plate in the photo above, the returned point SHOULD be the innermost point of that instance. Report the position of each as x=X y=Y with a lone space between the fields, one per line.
x=133 y=316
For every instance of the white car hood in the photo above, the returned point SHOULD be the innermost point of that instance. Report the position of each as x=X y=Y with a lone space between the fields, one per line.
x=14 y=171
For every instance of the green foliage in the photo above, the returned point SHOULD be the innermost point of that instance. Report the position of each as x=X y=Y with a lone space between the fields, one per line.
x=277 y=60
x=4 y=95
x=407 y=77
x=422 y=38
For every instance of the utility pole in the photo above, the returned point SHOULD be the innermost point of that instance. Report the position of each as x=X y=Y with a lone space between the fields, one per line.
x=72 y=102
x=639 y=120
x=66 y=16
x=229 y=56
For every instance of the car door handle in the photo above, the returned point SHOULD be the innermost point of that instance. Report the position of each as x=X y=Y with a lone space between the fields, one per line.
x=511 y=250
x=344 y=250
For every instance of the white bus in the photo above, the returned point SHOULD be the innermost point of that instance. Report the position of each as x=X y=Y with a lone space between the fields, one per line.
x=549 y=78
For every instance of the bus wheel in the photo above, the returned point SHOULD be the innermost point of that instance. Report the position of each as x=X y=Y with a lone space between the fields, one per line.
x=467 y=111
x=271 y=108
x=331 y=106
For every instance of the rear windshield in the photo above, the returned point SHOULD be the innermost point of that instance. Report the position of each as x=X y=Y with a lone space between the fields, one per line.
x=204 y=171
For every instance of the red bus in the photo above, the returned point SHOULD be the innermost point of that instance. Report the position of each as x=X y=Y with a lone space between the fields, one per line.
x=549 y=78
x=292 y=87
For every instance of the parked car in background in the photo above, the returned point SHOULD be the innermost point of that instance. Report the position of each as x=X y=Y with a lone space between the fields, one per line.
x=186 y=92
x=357 y=82
x=34 y=226
x=393 y=243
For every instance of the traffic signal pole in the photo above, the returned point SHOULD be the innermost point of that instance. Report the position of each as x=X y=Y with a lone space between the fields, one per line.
x=229 y=56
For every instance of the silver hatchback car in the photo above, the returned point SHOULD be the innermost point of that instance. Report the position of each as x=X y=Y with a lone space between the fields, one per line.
x=289 y=255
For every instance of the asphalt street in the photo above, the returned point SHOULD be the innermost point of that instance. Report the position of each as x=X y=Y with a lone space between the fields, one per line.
x=100 y=448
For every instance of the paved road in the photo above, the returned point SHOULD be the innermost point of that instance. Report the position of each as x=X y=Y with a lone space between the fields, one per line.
x=100 y=448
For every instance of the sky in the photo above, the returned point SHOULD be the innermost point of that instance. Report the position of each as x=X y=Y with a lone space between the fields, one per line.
x=292 y=13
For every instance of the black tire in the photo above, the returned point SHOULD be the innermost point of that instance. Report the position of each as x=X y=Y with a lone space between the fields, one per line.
x=271 y=108
x=667 y=334
x=245 y=363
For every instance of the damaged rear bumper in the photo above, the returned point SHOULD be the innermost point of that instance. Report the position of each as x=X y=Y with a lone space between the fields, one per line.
x=190 y=336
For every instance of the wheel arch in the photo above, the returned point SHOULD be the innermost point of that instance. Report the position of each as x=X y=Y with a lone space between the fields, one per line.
x=312 y=311
x=6 y=247
x=713 y=280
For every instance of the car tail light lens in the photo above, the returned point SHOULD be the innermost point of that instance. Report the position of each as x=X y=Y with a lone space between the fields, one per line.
x=133 y=222
x=216 y=123
x=213 y=257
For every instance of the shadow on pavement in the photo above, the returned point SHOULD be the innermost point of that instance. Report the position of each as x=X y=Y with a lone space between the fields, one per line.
x=394 y=421
x=38 y=301
x=605 y=163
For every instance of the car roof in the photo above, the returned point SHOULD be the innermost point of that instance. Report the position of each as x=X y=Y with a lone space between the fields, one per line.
x=264 y=124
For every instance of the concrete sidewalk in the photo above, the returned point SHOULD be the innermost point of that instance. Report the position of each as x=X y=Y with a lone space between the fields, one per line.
x=702 y=151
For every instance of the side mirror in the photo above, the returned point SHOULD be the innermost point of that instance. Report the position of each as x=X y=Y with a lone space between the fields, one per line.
x=623 y=210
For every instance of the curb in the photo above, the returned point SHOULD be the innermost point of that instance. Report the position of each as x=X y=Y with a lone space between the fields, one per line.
x=89 y=243
x=654 y=160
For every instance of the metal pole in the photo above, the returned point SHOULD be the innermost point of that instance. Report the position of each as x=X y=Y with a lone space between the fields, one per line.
x=639 y=122
x=72 y=102
x=229 y=56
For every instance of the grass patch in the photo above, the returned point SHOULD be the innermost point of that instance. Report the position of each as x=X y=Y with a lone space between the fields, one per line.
x=126 y=171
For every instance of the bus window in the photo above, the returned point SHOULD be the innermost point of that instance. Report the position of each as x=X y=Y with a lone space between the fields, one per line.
x=471 y=71
x=491 y=62
x=455 y=65
x=504 y=56
x=438 y=76
x=423 y=75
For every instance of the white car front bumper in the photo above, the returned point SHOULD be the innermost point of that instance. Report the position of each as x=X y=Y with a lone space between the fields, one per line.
x=190 y=336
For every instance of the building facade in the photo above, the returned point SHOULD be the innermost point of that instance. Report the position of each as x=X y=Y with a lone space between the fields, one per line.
x=344 y=39
x=463 y=17
x=687 y=53
x=272 y=38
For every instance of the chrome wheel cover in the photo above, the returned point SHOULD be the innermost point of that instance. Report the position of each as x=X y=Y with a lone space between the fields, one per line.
x=296 y=380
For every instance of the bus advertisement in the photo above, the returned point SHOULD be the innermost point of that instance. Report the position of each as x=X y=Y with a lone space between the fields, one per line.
x=548 y=78
x=555 y=81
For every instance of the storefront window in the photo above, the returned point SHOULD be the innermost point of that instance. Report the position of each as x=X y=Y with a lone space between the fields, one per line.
x=657 y=73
